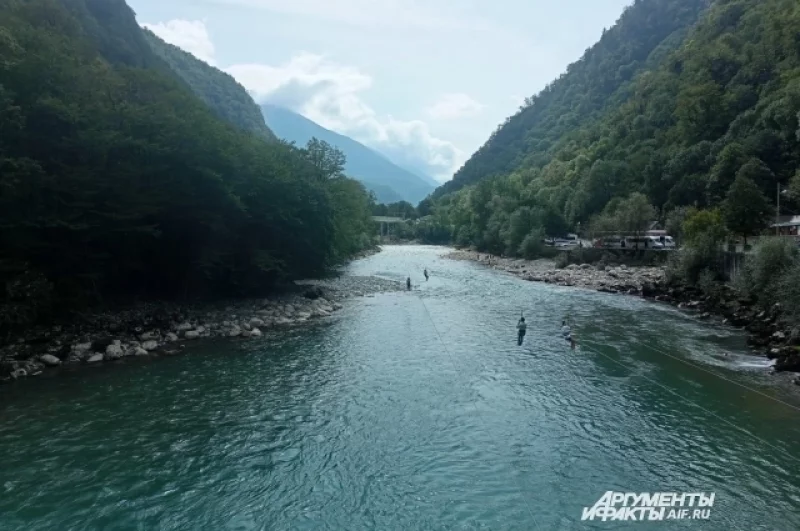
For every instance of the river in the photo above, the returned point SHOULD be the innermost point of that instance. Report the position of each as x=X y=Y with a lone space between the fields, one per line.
x=413 y=411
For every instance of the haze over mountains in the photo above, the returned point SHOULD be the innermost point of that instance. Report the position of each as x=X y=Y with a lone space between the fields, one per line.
x=389 y=181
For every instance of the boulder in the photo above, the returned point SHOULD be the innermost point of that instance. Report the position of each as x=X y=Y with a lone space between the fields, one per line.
x=235 y=332
x=114 y=352
x=150 y=345
x=192 y=334
x=184 y=327
x=254 y=322
x=314 y=292
x=147 y=336
x=139 y=351
x=171 y=337
x=80 y=348
x=50 y=360
x=95 y=358
x=101 y=344
x=789 y=363
x=255 y=332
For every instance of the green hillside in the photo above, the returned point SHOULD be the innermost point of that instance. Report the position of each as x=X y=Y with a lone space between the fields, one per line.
x=723 y=104
x=645 y=33
x=117 y=182
x=227 y=98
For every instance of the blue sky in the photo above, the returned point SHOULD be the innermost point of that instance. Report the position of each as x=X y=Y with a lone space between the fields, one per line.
x=426 y=82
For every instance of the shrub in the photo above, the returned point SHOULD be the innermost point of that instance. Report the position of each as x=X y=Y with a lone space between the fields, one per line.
x=765 y=268
x=532 y=245
x=703 y=256
x=788 y=293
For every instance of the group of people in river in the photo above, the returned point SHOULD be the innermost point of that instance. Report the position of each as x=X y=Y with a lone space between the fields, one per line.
x=522 y=326
x=408 y=280
x=566 y=332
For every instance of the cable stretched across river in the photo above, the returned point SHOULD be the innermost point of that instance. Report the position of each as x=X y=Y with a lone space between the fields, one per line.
x=455 y=368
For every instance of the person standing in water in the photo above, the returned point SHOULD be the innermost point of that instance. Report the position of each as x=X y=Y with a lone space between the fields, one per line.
x=566 y=331
x=522 y=327
x=408 y=283
x=426 y=274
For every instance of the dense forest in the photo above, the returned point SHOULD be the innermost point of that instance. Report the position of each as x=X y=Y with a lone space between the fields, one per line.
x=118 y=182
x=709 y=121
x=226 y=97
x=645 y=33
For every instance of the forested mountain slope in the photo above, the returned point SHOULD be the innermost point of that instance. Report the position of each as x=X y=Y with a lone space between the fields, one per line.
x=227 y=98
x=363 y=163
x=116 y=181
x=644 y=34
x=723 y=106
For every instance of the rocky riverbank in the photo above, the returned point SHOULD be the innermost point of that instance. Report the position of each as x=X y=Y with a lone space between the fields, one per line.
x=767 y=333
x=610 y=278
x=166 y=329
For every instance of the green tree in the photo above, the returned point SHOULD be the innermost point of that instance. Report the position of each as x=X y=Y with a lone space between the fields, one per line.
x=745 y=208
x=701 y=223
x=328 y=160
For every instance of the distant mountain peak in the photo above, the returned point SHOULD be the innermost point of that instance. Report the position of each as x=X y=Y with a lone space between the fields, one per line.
x=388 y=180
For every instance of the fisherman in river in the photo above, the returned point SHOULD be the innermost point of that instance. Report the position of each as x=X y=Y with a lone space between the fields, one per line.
x=408 y=283
x=522 y=327
x=426 y=274
x=566 y=332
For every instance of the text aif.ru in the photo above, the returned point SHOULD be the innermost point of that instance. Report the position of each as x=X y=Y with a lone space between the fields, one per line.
x=630 y=506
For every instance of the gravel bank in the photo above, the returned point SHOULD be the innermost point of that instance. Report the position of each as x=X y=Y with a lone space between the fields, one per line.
x=166 y=329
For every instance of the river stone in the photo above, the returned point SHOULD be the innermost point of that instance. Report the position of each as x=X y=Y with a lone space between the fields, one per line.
x=255 y=321
x=80 y=348
x=172 y=337
x=184 y=327
x=50 y=360
x=139 y=351
x=152 y=334
x=101 y=344
x=113 y=352
x=95 y=358
x=235 y=333
x=255 y=332
x=192 y=334
x=150 y=345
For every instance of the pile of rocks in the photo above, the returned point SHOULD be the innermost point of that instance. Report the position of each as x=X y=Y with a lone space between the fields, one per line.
x=620 y=279
x=121 y=338
x=600 y=277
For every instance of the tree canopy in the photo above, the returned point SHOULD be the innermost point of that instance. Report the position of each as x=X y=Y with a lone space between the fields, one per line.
x=117 y=181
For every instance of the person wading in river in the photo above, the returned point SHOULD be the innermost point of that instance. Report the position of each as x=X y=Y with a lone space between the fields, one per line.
x=566 y=332
x=408 y=283
x=522 y=327
x=426 y=274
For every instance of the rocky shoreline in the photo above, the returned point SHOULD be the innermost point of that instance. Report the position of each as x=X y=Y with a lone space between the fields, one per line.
x=163 y=329
x=767 y=334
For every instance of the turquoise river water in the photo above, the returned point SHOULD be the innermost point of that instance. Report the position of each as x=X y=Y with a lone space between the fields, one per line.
x=413 y=411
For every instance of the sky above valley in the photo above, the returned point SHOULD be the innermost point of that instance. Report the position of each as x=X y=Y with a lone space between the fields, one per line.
x=425 y=82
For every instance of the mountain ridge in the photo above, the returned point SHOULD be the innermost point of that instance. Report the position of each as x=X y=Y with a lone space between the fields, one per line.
x=363 y=163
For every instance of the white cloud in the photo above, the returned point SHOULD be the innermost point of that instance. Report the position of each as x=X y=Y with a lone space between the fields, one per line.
x=189 y=35
x=453 y=106
x=330 y=94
